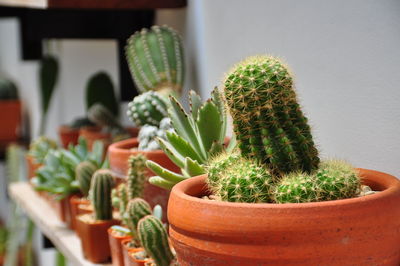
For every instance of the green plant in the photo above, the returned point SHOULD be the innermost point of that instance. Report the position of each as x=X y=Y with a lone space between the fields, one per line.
x=267 y=119
x=136 y=175
x=39 y=148
x=8 y=90
x=48 y=75
x=101 y=116
x=149 y=135
x=199 y=135
x=237 y=179
x=148 y=108
x=81 y=122
x=137 y=208
x=296 y=188
x=83 y=173
x=120 y=199
x=154 y=239
x=155 y=59
x=100 y=90
x=100 y=192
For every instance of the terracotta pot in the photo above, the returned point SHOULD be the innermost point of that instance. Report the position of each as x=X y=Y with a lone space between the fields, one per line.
x=74 y=203
x=126 y=253
x=357 y=231
x=68 y=135
x=62 y=208
x=10 y=120
x=94 y=238
x=119 y=154
x=31 y=166
x=115 y=240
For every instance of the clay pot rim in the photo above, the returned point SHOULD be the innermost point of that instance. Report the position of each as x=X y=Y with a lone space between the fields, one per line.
x=110 y=231
x=124 y=147
x=391 y=183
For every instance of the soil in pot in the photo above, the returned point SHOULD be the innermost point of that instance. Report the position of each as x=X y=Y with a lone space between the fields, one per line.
x=68 y=135
x=94 y=238
x=356 y=231
x=115 y=238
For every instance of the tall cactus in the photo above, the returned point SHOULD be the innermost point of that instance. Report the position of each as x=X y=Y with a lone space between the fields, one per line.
x=136 y=175
x=155 y=59
x=154 y=239
x=101 y=187
x=84 y=172
x=267 y=119
x=137 y=209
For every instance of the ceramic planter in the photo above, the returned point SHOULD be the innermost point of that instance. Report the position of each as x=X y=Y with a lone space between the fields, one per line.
x=115 y=240
x=119 y=154
x=68 y=135
x=357 y=231
x=94 y=238
x=127 y=252
x=10 y=120
x=74 y=203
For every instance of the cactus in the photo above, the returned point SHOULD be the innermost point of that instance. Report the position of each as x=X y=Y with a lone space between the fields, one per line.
x=149 y=135
x=155 y=59
x=154 y=239
x=100 y=90
x=296 y=188
x=83 y=173
x=8 y=90
x=147 y=109
x=267 y=119
x=39 y=148
x=136 y=175
x=100 y=192
x=137 y=208
x=121 y=197
x=81 y=122
x=101 y=116
x=236 y=179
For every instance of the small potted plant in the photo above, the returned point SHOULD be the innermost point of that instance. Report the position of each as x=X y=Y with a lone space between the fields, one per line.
x=273 y=201
x=69 y=134
x=38 y=150
x=10 y=107
x=93 y=227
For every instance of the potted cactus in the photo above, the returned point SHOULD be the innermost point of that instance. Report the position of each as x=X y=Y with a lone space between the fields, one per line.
x=93 y=227
x=272 y=202
x=10 y=105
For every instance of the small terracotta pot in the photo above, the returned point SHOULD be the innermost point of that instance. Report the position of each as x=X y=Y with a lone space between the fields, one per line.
x=68 y=135
x=126 y=253
x=74 y=203
x=62 y=208
x=31 y=166
x=115 y=240
x=119 y=154
x=135 y=262
x=10 y=120
x=94 y=238
x=356 y=231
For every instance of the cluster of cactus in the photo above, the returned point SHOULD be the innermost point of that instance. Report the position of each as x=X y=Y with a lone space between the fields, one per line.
x=197 y=137
x=278 y=160
x=84 y=173
x=8 y=90
x=100 y=194
x=155 y=59
x=101 y=116
x=149 y=135
x=149 y=108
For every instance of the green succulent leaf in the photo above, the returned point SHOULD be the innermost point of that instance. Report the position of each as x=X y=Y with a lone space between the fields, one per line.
x=183 y=147
x=164 y=173
x=170 y=151
x=193 y=168
x=218 y=100
x=217 y=147
x=209 y=124
x=195 y=103
x=161 y=182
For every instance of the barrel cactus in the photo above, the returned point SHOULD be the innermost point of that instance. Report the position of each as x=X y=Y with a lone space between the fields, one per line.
x=154 y=239
x=155 y=59
x=137 y=208
x=149 y=108
x=100 y=193
x=8 y=90
x=296 y=188
x=267 y=118
x=83 y=173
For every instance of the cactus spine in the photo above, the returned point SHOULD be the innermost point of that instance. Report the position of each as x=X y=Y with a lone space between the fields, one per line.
x=137 y=209
x=147 y=109
x=267 y=119
x=84 y=172
x=154 y=239
x=136 y=175
x=155 y=59
x=101 y=187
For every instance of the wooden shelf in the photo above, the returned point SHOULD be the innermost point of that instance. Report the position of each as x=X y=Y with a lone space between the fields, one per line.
x=95 y=4
x=46 y=220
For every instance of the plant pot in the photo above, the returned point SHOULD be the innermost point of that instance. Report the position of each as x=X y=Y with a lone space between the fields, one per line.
x=115 y=240
x=62 y=208
x=74 y=203
x=94 y=238
x=119 y=154
x=10 y=120
x=68 y=135
x=357 y=231
x=31 y=166
x=126 y=253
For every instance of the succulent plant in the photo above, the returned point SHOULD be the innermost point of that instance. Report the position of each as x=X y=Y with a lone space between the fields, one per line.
x=267 y=118
x=154 y=239
x=155 y=59
x=101 y=187
x=149 y=135
x=149 y=108
x=137 y=208
x=83 y=173
x=8 y=90
x=136 y=175
x=236 y=179
x=198 y=136
x=39 y=148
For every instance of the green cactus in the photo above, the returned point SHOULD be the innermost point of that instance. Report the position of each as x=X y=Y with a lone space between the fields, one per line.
x=100 y=192
x=83 y=173
x=120 y=197
x=81 y=122
x=8 y=90
x=154 y=239
x=296 y=188
x=148 y=108
x=39 y=148
x=100 y=89
x=267 y=119
x=136 y=175
x=236 y=179
x=101 y=116
x=137 y=208
x=155 y=59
